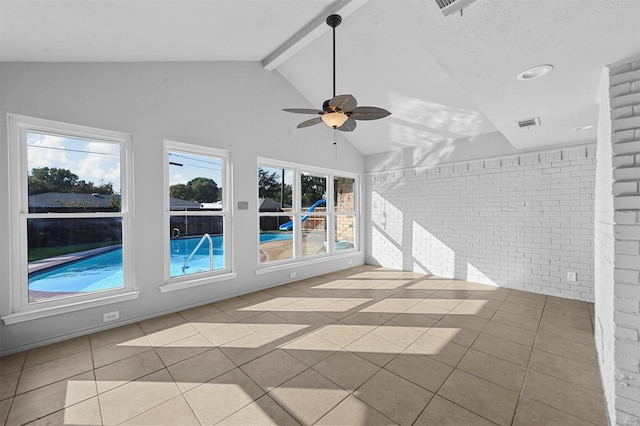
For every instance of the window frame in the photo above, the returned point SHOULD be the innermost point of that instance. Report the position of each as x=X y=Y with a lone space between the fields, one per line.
x=209 y=277
x=298 y=211
x=20 y=307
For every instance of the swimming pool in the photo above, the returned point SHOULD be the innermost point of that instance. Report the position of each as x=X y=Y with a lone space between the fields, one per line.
x=104 y=271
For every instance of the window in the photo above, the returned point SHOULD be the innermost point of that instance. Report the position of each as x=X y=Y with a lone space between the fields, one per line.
x=304 y=213
x=197 y=216
x=313 y=202
x=275 y=206
x=71 y=208
x=345 y=212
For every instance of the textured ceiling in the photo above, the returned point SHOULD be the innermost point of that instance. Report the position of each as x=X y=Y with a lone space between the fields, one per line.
x=442 y=78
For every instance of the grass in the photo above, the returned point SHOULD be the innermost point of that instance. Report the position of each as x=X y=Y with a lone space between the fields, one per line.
x=39 y=253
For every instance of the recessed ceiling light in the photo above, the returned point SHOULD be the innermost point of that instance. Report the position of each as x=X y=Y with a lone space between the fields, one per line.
x=587 y=127
x=535 y=72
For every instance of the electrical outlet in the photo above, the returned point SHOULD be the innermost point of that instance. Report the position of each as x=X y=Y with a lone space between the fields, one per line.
x=350 y=262
x=292 y=275
x=572 y=276
x=111 y=316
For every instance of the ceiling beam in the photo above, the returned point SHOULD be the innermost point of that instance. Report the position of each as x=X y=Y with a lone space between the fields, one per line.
x=309 y=33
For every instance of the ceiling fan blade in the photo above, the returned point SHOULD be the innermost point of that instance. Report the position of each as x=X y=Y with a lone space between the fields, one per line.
x=304 y=111
x=343 y=103
x=311 y=122
x=348 y=126
x=369 y=113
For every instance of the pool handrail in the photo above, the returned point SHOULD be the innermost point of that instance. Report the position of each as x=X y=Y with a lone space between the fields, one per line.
x=207 y=236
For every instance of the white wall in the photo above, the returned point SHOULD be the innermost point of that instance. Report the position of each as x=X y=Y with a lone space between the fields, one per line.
x=603 y=246
x=520 y=221
x=618 y=293
x=233 y=106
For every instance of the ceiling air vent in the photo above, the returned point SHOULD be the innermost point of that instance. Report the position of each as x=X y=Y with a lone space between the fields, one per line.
x=447 y=7
x=529 y=122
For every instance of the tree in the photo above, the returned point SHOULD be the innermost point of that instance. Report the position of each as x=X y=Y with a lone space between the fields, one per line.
x=268 y=184
x=45 y=179
x=204 y=190
x=312 y=189
x=199 y=190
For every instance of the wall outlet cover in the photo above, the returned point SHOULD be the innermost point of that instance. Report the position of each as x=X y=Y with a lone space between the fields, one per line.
x=111 y=316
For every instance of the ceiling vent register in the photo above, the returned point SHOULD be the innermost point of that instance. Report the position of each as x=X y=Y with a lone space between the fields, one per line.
x=529 y=122
x=448 y=7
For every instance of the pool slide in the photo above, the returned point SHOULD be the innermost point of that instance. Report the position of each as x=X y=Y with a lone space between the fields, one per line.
x=289 y=225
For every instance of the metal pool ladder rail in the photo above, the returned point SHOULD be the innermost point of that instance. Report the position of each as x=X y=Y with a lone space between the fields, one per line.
x=208 y=237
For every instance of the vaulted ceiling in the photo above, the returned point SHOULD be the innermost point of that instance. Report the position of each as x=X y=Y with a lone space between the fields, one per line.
x=443 y=78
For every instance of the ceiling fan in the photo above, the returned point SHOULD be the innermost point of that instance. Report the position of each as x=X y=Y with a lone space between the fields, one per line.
x=339 y=112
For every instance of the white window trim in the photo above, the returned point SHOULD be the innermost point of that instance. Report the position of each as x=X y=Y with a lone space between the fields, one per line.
x=206 y=278
x=20 y=308
x=297 y=213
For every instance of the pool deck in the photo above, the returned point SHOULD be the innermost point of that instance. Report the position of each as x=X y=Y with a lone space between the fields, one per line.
x=52 y=262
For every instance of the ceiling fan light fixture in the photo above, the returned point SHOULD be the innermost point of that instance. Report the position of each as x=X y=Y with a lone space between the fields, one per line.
x=535 y=72
x=334 y=119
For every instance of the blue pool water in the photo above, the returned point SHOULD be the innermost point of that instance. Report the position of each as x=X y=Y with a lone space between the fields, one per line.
x=104 y=271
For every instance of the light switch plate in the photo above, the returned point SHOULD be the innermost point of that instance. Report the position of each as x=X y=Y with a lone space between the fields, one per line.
x=243 y=205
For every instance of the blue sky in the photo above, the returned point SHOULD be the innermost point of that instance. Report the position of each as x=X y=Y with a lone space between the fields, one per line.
x=185 y=167
x=92 y=161
x=99 y=162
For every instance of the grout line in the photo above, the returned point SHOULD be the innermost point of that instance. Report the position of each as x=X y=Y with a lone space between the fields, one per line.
x=526 y=373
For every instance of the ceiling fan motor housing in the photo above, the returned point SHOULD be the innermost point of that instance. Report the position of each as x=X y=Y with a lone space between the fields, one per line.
x=334 y=20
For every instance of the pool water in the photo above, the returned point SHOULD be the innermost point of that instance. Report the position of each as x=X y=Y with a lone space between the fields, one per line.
x=104 y=271
x=100 y=272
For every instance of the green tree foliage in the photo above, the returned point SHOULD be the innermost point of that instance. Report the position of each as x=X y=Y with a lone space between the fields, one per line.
x=45 y=179
x=270 y=186
x=200 y=190
x=313 y=189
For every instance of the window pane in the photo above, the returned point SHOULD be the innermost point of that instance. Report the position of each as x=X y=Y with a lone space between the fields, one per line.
x=344 y=194
x=345 y=232
x=275 y=189
x=276 y=238
x=195 y=181
x=69 y=175
x=69 y=257
x=314 y=234
x=313 y=192
x=196 y=245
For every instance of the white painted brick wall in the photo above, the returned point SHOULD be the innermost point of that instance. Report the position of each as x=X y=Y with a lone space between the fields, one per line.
x=624 y=92
x=605 y=248
x=521 y=222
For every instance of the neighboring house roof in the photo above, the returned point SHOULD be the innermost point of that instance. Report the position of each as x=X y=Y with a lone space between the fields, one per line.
x=178 y=203
x=268 y=205
x=71 y=200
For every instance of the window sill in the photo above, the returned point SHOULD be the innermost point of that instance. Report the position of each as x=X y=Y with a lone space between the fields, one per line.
x=19 y=317
x=310 y=261
x=182 y=285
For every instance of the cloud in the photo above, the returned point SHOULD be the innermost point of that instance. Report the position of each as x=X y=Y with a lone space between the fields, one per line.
x=92 y=161
x=178 y=178
x=46 y=151
x=101 y=165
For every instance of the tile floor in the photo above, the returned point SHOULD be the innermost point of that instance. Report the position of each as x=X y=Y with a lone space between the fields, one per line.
x=363 y=346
